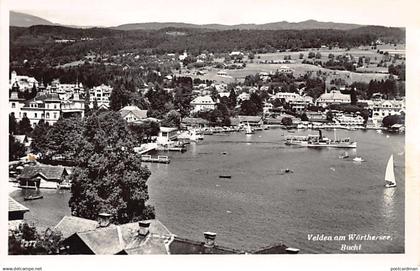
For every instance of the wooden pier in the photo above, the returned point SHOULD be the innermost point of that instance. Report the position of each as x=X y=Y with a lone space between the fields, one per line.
x=159 y=159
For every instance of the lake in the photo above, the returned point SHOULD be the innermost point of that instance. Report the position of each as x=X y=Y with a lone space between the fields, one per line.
x=259 y=205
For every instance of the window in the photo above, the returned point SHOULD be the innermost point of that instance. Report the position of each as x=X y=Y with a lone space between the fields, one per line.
x=13 y=105
x=55 y=115
x=55 y=106
x=35 y=115
x=48 y=115
x=24 y=115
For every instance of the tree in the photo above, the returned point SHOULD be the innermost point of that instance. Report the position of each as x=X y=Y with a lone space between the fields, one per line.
x=172 y=119
x=109 y=176
x=26 y=240
x=286 y=121
x=256 y=99
x=304 y=117
x=87 y=103
x=318 y=55
x=64 y=138
x=16 y=149
x=329 y=115
x=13 y=125
x=40 y=139
x=119 y=98
x=301 y=56
x=232 y=99
x=248 y=108
x=353 y=97
x=390 y=120
x=24 y=127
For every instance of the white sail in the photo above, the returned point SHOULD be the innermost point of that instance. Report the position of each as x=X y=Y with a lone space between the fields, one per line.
x=389 y=173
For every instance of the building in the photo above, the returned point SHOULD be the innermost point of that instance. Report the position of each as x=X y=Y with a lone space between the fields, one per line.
x=202 y=103
x=102 y=96
x=383 y=108
x=297 y=102
x=46 y=106
x=333 y=97
x=24 y=82
x=285 y=69
x=85 y=236
x=348 y=120
x=16 y=104
x=166 y=135
x=243 y=97
x=132 y=113
x=43 y=106
x=43 y=176
x=16 y=213
x=252 y=120
x=147 y=237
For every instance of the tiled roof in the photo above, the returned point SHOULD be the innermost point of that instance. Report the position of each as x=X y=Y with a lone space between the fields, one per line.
x=15 y=206
x=116 y=239
x=140 y=114
x=334 y=95
x=186 y=246
x=72 y=224
x=203 y=100
x=49 y=172
x=273 y=249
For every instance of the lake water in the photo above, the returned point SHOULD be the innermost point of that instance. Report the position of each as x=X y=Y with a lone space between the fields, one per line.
x=259 y=205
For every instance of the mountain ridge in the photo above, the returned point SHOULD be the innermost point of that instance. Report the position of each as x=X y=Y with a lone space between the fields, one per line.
x=21 y=19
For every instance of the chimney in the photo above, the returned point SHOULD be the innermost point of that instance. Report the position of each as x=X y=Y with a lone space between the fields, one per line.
x=144 y=228
x=209 y=238
x=104 y=219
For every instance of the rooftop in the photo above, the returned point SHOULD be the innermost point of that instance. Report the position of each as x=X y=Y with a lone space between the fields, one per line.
x=48 y=172
x=15 y=206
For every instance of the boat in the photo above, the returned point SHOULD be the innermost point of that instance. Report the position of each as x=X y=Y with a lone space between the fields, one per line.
x=389 y=173
x=291 y=250
x=33 y=197
x=344 y=155
x=63 y=185
x=248 y=129
x=321 y=141
x=225 y=176
x=358 y=159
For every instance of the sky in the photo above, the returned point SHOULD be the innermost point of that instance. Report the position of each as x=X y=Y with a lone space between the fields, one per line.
x=112 y=13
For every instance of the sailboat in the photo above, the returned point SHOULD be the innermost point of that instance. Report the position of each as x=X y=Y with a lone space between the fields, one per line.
x=248 y=130
x=389 y=173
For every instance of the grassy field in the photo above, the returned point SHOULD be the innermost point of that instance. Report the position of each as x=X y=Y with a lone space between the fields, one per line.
x=364 y=74
x=299 y=69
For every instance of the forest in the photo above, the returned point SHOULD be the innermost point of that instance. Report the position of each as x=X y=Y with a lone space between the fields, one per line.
x=39 y=42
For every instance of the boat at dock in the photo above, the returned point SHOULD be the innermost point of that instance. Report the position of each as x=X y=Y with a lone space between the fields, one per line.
x=159 y=159
x=389 y=173
x=64 y=185
x=33 y=197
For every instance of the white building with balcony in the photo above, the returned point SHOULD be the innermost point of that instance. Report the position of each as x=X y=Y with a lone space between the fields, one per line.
x=203 y=103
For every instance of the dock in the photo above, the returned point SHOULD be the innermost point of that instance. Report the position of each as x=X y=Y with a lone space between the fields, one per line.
x=158 y=159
